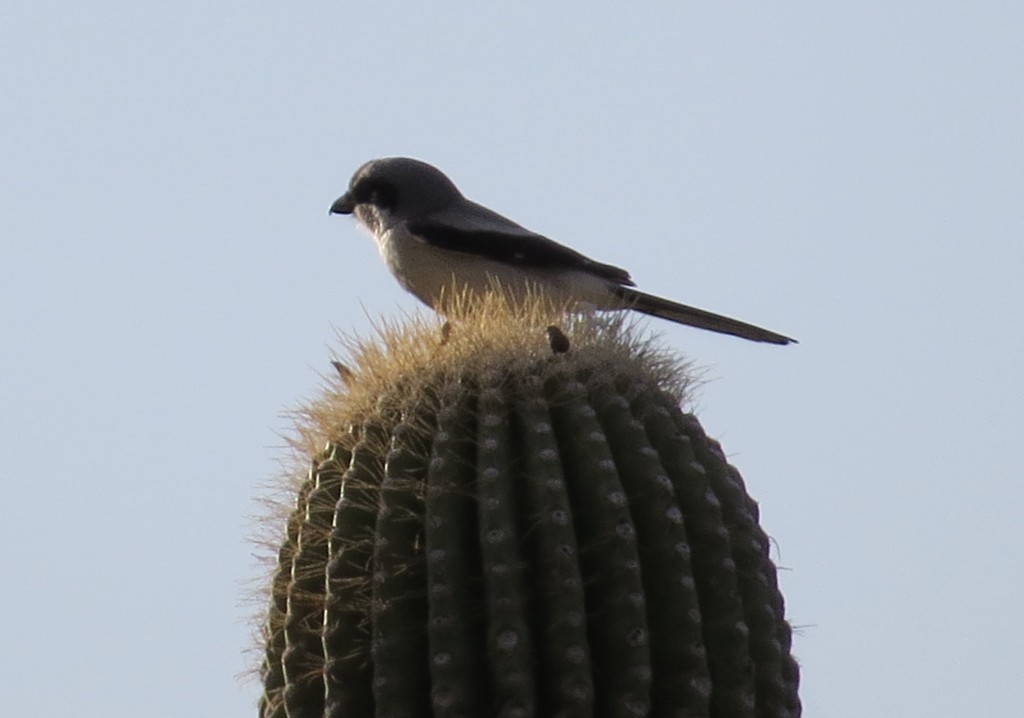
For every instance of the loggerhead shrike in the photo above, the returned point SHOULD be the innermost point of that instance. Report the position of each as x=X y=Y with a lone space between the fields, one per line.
x=435 y=241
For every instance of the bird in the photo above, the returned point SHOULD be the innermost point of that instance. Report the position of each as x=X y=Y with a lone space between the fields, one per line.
x=438 y=244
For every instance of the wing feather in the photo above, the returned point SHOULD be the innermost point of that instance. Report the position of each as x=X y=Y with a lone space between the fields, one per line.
x=470 y=228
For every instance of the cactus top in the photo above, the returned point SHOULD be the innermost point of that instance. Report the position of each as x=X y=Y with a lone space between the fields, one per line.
x=483 y=333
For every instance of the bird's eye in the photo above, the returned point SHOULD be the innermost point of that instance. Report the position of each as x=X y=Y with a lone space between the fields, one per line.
x=376 y=192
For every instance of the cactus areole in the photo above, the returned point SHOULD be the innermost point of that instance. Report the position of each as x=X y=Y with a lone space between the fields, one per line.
x=493 y=528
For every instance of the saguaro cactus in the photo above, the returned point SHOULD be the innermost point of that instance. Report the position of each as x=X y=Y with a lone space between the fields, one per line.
x=495 y=528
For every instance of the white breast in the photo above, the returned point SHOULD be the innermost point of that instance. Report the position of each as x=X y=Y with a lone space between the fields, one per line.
x=431 y=273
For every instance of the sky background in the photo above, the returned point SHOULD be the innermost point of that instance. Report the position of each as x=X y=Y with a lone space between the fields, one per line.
x=851 y=174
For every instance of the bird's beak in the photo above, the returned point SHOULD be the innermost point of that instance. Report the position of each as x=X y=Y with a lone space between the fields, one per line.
x=344 y=204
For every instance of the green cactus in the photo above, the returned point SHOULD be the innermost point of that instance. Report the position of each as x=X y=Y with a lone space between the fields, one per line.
x=498 y=529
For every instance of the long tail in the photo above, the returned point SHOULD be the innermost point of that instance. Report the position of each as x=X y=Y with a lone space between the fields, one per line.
x=665 y=309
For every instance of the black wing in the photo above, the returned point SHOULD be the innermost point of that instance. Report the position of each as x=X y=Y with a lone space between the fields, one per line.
x=473 y=229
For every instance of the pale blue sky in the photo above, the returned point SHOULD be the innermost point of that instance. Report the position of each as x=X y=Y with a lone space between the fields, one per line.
x=851 y=174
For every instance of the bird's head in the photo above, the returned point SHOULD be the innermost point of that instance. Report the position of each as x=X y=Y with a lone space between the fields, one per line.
x=395 y=189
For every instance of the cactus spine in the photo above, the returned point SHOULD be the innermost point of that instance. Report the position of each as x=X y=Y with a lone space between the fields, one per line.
x=496 y=529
